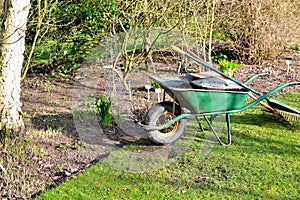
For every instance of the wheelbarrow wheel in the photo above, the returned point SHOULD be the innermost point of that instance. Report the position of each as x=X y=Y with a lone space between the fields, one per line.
x=161 y=113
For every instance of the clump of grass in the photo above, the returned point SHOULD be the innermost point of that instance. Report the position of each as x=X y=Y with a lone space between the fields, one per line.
x=16 y=154
x=17 y=158
x=47 y=133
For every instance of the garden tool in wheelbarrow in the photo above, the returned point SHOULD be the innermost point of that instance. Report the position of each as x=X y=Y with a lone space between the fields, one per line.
x=282 y=110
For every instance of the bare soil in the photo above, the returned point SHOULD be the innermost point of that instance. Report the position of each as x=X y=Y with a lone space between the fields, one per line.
x=47 y=104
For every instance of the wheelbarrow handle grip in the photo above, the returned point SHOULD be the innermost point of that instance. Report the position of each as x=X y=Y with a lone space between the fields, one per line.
x=263 y=74
x=177 y=49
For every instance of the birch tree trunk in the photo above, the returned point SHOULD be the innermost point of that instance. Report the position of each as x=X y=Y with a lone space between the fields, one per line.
x=15 y=14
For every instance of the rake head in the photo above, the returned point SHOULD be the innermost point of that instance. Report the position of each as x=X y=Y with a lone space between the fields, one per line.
x=288 y=113
x=289 y=116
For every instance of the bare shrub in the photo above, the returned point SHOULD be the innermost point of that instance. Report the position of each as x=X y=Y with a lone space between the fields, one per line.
x=258 y=29
x=195 y=18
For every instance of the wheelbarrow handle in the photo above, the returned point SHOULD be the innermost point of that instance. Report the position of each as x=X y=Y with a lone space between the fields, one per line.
x=265 y=96
x=255 y=76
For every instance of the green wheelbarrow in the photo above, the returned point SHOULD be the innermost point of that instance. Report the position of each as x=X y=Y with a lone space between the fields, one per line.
x=206 y=94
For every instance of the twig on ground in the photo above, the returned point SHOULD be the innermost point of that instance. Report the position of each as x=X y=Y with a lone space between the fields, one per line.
x=2 y=168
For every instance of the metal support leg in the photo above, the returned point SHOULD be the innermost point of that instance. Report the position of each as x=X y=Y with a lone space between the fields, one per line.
x=215 y=133
x=173 y=108
x=200 y=126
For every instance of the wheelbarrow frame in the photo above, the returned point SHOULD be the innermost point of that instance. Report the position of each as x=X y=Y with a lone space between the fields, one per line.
x=172 y=92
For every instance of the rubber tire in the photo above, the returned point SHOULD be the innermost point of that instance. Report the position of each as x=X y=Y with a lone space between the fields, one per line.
x=154 y=113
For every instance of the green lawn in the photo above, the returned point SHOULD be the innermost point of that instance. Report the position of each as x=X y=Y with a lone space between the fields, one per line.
x=262 y=163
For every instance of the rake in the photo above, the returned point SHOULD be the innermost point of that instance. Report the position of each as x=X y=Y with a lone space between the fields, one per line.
x=288 y=113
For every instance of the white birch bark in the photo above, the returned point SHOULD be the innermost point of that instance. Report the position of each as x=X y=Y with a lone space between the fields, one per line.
x=12 y=49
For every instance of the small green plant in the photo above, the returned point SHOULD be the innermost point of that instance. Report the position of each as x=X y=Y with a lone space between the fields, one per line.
x=47 y=89
x=219 y=57
x=67 y=69
x=103 y=108
x=228 y=67
x=63 y=146
x=57 y=168
x=154 y=84
x=27 y=140
x=79 y=144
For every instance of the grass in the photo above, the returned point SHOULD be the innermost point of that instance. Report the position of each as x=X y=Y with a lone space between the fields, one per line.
x=16 y=154
x=262 y=163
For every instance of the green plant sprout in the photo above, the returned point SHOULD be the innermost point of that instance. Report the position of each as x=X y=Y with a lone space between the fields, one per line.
x=103 y=108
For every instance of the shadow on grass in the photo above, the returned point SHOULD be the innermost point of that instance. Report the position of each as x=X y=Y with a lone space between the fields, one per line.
x=266 y=144
x=263 y=120
x=266 y=133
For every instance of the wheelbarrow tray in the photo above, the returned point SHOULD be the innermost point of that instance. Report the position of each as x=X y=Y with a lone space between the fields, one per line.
x=199 y=100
